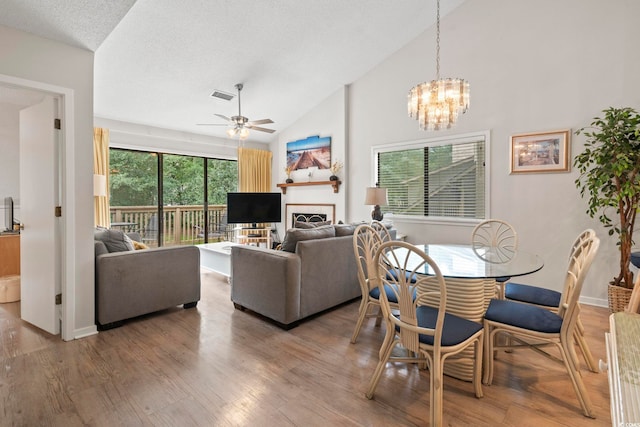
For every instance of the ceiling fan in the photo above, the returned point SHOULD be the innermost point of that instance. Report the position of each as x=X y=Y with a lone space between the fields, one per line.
x=240 y=124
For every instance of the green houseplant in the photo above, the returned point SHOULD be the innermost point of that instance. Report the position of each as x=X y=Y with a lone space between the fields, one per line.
x=610 y=175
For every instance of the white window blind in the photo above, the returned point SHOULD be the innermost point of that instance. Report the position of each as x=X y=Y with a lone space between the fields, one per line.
x=435 y=179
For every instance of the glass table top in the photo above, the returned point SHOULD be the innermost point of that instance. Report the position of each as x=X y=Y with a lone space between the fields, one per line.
x=467 y=262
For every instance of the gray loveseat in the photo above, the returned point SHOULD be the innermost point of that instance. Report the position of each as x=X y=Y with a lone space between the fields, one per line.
x=131 y=283
x=286 y=287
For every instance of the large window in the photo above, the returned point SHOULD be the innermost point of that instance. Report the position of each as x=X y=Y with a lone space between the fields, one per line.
x=170 y=199
x=438 y=178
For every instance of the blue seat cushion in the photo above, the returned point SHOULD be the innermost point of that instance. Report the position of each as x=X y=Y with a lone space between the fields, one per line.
x=523 y=316
x=454 y=331
x=389 y=290
x=393 y=274
x=532 y=294
x=635 y=259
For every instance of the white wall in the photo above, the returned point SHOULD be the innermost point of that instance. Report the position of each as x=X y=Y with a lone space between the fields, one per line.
x=36 y=59
x=326 y=119
x=532 y=66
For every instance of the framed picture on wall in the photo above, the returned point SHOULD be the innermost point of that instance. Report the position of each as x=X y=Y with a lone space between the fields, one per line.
x=540 y=152
x=309 y=152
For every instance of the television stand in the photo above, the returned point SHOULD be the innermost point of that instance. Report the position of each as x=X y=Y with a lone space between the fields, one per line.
x=254 y=235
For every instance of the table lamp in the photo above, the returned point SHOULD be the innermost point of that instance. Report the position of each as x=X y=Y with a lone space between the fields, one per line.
x=376 y=196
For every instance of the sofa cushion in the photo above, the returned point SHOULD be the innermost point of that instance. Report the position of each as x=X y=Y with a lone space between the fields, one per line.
x=307 y=225
x=114 y=240
x=345 y=229
x=294 y=235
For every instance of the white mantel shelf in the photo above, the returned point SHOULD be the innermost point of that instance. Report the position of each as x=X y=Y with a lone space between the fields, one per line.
x=334 y=184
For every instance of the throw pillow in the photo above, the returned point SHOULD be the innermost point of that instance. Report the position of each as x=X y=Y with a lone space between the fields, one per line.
x=139 y=245
x=295 y=235
x=114 y=240
x=345 y=229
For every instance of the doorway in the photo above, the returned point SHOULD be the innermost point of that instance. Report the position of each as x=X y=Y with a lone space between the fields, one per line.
x=29 y=93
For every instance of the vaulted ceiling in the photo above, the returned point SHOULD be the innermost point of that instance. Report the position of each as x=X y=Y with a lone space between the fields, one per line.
x=158 y=61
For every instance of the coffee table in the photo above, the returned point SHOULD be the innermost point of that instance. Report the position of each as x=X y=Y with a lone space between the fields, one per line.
x=216 y=257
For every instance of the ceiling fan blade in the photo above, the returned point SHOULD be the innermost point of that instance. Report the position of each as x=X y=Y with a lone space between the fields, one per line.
x=260 y=122
x=260 y=129
x=223 y=117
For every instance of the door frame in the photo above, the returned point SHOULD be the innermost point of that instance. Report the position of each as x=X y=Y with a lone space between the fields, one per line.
x=65 y=97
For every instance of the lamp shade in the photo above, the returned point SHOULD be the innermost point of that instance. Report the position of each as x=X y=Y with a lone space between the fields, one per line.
x=99 y=185
x=376 y=196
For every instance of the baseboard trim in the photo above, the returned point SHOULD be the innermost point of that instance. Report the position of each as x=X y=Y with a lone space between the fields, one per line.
x=85 y=332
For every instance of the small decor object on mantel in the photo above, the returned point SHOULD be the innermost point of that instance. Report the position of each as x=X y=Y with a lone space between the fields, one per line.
x=335 y=168
x=288 y=169
x=610 y=177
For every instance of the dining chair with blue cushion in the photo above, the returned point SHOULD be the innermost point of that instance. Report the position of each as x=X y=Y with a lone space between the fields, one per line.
x=501 y=238
x=530 y=326
x=426 y=334
x=550 y=299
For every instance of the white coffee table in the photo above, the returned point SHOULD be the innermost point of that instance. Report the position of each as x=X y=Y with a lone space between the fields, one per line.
x=216 y=257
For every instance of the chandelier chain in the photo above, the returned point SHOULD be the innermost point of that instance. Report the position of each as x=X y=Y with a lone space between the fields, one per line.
x=438 y=40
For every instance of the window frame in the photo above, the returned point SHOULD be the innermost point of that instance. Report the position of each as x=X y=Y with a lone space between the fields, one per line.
x=432 y=142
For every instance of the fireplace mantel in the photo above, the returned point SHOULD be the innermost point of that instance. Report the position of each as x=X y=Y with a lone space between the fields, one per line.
x=334 y=184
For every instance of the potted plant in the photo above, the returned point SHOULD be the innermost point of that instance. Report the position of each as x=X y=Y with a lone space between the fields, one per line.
x=610 y=175
x=335 y=168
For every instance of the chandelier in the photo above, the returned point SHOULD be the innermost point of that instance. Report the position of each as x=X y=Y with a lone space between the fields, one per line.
x=437 y=104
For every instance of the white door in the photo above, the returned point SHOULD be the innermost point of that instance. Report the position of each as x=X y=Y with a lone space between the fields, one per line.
x=39 y=196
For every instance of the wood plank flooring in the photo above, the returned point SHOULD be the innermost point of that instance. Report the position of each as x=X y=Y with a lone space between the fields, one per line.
x=215 y=366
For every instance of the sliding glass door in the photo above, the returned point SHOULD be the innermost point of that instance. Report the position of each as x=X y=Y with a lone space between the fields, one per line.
x=171 y=199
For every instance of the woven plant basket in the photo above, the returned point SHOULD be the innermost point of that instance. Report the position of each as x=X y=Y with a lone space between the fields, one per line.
x=619 y=298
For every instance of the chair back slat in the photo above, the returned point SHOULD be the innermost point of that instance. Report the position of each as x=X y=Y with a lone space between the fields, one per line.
x=579 y=264
x=498 y=235
x=366 y=241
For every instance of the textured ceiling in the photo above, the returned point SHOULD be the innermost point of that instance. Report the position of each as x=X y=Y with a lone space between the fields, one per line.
x=158 y=61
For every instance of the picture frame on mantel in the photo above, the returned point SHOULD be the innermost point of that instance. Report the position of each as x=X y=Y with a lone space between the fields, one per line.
x=540 y=152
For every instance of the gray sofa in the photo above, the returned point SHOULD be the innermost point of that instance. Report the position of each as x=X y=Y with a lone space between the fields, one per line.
x=131 y=283
x=286 y=287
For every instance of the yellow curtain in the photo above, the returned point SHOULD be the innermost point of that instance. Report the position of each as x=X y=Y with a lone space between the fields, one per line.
x=101 y=167
x=254 y=170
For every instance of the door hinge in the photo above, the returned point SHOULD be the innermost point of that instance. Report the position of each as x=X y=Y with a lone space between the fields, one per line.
x=57 y=124
x=58 y=211
x=58 y=299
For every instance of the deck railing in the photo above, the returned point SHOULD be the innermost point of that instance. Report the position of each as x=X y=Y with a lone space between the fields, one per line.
x=181 y=225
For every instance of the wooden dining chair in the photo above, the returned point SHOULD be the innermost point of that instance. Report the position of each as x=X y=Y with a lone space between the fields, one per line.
x=535 y=327
x=501 y=238
x=550 y=299
x=366 y=240
x=420 y=325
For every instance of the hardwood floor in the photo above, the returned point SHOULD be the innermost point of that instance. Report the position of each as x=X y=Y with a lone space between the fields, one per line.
x=215 y=366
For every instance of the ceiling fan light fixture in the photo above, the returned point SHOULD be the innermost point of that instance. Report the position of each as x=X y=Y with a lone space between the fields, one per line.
x=232 y=132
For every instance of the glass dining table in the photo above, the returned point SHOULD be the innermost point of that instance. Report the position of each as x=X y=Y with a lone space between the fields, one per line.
x=470 y=274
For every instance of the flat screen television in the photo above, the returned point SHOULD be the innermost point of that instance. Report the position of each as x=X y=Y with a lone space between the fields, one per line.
x=253 y=208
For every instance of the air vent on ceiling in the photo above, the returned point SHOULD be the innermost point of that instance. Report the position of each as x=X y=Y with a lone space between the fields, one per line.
x=222 y=95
